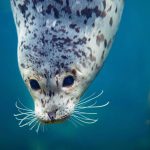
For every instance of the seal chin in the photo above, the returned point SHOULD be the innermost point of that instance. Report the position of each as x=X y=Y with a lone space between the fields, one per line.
x=52 y=121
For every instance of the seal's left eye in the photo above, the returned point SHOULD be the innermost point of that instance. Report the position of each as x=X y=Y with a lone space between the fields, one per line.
x=68 y=81
x=34 y=84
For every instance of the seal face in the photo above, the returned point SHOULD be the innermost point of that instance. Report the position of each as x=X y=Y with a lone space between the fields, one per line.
x=62 y=44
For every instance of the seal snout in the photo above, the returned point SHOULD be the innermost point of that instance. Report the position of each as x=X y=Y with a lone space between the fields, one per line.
x=52 y=115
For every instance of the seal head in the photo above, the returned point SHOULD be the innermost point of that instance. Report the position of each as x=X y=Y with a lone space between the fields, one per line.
x=62 y=45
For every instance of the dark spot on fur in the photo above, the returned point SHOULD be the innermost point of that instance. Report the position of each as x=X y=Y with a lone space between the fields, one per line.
x=103 y=53
x=99 y=39
x=105 y=43
x=116 y=10
x=50 y=8
x=78 y=13
x=111 y=21
x=23 y=8
x=74 y=72
x=72 y=26
x=23 y=65
x=104 y=4
x=87 y=12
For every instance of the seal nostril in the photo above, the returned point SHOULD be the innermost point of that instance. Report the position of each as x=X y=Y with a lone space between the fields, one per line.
x=52 y=115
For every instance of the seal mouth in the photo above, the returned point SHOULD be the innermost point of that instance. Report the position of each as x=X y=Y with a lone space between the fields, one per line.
x=53 y=121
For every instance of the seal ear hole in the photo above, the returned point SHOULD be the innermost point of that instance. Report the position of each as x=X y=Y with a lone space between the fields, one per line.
x=68 y=81
x=34 y=84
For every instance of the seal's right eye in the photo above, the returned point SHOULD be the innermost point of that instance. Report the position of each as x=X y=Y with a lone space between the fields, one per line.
x=34 y=84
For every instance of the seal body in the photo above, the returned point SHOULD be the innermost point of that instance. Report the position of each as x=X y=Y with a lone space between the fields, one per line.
x=62 y=45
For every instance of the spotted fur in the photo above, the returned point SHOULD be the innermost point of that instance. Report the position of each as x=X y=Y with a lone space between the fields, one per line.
x=61 y=37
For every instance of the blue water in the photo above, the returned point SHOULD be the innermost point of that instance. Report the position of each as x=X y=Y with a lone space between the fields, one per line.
x=125 y=79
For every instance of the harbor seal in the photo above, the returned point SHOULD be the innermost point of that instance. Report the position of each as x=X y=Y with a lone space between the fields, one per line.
x=62 y=45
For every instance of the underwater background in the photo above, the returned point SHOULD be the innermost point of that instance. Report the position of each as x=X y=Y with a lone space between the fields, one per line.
x=125 y=78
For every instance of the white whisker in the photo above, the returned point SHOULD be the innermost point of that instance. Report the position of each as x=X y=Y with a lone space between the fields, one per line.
x=86 y=122
x=85 y=113
x=32 y=121
x=21 y=114
x=93 y=107
x=87 y=97
x=38 y=127
x=24 y=109
x=85 y=118
x=76 y=121
x=26 y=118
x=81 y=116
x=24 y=106
x=78 y=107
x=27 y=124
x=89 y=100
x=24 y=112
x=34 y=124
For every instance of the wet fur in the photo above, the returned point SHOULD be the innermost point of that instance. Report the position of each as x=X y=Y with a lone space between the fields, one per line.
x=61 y=37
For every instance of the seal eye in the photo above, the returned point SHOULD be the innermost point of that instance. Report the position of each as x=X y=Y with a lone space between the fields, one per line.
x=34 y=84
x=68 y=81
